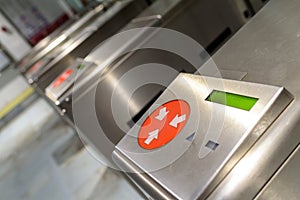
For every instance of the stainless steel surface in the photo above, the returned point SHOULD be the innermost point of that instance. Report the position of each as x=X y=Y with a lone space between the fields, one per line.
x=86 y=39
x=189 y=17
x=87 y=18
x=257 y=4
x=198 y=19
x=81 y=36
x=285 y=183
x=71 y=25
x=56 y=55
x=267 y=48
x=151 y=189
x=44 y=42
x=65 y=81
x=243 y=9
x=266 y=51
x=198 y=168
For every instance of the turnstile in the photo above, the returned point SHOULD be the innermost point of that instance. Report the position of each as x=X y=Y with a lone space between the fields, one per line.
x=225 y=134
x=196 y=132
x=51 y=42
x=189 y=17
x=238 y=150
x=118 y=13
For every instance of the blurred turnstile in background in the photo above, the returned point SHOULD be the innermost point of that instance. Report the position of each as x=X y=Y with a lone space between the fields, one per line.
x=80 y=30
x=111 y=21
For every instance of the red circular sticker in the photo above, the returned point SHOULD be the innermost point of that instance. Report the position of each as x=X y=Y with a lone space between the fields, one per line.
x=163 y=124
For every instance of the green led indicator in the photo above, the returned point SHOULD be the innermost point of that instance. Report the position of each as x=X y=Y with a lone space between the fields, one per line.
x=232 y=100
x=81 y=66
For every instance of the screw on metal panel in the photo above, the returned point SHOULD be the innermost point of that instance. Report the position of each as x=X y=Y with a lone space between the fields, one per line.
x=63 y=111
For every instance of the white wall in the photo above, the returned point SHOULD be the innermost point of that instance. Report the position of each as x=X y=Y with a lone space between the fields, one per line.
x=51 y=9
x=12 y=41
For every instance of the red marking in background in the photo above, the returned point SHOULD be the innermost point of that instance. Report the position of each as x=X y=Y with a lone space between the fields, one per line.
x=48 y=29
x=62 y=78
x=36 y=66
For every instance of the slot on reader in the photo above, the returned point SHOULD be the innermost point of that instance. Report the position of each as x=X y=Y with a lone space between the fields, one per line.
x=195 y=133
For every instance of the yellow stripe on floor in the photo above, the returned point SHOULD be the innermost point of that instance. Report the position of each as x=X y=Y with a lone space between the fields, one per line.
x=14 y=103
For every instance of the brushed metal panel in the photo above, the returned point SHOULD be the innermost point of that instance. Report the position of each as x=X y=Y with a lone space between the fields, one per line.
x=191 y=170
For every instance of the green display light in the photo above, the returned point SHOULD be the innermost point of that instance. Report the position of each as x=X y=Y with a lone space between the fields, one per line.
x=232 y=100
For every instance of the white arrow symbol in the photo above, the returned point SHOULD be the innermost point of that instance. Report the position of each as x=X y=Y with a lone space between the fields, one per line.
x=177 y=120
x=152 y=135
x=162 y=114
